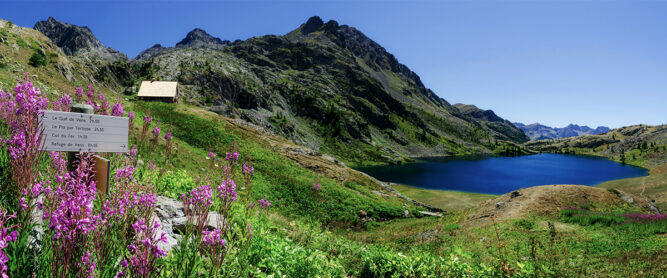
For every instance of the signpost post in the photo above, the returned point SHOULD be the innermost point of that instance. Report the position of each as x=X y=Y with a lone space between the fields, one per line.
x=81 y=131
x=101 y=174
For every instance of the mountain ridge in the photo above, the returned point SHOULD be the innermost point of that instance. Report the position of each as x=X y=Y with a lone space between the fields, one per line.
x=537 y=131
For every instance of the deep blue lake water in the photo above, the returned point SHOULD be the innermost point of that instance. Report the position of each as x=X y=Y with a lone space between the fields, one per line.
x=500 y=175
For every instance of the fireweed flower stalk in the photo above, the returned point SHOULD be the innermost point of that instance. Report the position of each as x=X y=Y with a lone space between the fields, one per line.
x=62 y=104
x=248 y=170
x=147 y=122
x=197 y=205
x=6 y=236
x=70 y=220
x=215 y=247
x=91 y=92
x=130 y=115
x=118 y=111
x=317 y=188
x=128 y=201
x=79 y=94
x=23 y=142
x=227 y=195
x=156 y=135
x=211 y=157
x=144 y=250
x=104 y=104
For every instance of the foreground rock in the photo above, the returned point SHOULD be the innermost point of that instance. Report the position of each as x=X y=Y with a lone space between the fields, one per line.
x=171 y=215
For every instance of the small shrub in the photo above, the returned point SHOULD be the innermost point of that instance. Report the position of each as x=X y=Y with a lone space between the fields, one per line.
x=613 y=190
x=21 y=42
x=524 y=224
x=38 y=59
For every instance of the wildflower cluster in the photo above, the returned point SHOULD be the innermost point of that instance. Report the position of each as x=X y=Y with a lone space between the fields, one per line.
x=264 y=203
x=87 y=233
x=62 y=104
x=145 y=251
x=79 y=94
x=20 y=112
x=643 y=218
x=68 y=212
x=197 y=205
x=227 y=238
x=117 y=110
x=214 y=245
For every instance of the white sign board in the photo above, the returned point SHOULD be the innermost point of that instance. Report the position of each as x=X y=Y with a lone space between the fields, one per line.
x=74 y=132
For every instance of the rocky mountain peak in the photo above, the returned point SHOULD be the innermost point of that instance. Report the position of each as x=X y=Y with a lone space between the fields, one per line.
x=311 y=25
x=475 y=112
x=198 y=37
x=154 y=50
x=76 y=40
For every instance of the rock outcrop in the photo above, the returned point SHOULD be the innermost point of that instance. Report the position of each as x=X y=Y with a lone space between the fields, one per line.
x=154 y=50
x=198 y=38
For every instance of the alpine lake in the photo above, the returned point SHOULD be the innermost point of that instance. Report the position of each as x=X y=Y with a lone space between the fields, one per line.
x=500 y=175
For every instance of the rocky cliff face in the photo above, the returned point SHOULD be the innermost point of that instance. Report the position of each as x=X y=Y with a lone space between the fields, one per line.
x=77 y=41
x=537 y=131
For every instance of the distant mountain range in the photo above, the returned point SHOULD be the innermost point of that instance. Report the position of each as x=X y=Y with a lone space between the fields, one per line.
x=537 y=131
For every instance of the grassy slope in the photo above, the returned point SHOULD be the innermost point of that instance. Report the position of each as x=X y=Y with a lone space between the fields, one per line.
x=528 y=244
x=653 y=186
x=443 y=199
x=279 y=179
x=18 y=44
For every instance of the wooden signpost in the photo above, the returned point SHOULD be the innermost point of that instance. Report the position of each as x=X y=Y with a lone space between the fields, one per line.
x=76 y=132
x=81 y=131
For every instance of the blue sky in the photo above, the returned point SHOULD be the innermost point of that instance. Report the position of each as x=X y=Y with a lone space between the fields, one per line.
x=592 y=62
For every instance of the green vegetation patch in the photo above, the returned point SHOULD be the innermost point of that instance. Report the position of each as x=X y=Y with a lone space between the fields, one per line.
x=285 y=183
